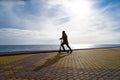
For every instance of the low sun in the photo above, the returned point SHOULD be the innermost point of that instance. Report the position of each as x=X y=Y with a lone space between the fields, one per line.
x=79 y=8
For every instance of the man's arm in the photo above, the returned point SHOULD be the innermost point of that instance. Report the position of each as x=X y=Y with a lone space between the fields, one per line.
x=61 y=38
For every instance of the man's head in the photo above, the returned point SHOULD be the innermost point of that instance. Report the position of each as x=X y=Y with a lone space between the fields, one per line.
x=63 y=32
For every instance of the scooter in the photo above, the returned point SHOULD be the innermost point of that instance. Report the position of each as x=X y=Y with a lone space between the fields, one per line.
x=60 y=50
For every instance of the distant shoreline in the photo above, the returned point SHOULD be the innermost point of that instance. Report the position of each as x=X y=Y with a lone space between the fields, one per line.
x=10 y=49
x=44 y=51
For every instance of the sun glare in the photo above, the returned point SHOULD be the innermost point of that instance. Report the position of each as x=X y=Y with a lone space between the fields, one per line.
x=79 y=8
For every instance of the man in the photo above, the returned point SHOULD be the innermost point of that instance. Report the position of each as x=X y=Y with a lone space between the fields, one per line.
x=65 y=41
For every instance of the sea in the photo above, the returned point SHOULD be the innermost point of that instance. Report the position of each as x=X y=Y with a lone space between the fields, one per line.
x=24 y=48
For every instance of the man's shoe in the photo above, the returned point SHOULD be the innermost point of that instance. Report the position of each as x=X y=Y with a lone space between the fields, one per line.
x=70 y=51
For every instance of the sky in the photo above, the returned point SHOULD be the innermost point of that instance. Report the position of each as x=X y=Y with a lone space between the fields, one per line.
x=42 y=21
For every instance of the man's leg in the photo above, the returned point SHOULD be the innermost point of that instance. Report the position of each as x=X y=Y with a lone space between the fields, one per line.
x=63 y=46
x=69 y=47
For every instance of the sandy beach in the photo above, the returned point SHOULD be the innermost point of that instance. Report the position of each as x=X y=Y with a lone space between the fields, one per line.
x=88 y=64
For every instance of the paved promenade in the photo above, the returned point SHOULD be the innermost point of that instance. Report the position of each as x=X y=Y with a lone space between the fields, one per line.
x=93 y=64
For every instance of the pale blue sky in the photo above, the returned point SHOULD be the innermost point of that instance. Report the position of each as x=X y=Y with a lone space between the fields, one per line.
x=42 y=21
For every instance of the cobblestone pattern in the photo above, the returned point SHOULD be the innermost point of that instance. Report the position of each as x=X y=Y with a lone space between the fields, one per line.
x=80 y=65
x=14 y=69
x=57 y=73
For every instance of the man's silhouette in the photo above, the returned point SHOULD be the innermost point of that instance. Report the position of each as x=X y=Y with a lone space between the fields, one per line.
x=65 y=41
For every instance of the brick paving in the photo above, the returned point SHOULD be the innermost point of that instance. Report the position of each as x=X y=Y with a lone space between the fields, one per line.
x=93 y=64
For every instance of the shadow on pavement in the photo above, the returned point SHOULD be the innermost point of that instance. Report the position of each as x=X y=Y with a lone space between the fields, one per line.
x=51 y=61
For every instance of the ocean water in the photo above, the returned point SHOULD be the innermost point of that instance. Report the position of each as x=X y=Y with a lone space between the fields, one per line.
x=17 y=48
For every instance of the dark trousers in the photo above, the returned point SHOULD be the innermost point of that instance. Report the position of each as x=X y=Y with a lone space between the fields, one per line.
x=66 y=45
